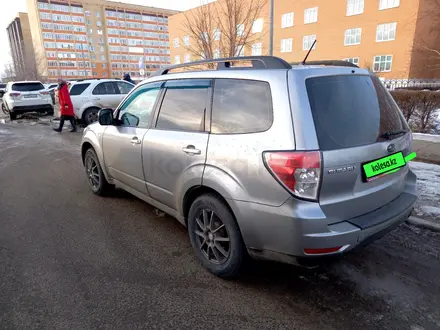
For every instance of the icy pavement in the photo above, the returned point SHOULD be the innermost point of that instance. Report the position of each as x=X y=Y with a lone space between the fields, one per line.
x=428 y=185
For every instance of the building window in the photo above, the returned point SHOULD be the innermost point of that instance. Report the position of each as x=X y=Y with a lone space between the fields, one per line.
x=177 y=59
x=386 y=4
x=355 y=7
x=352 y=37
x=308 y=42
x=98 y=14
x=287 y=20
x=239 y=51
x=186 y=41
x=286 y=45
x=103 y=58
x=257 y=49
x=176 y=42
x=217 y=53
x=87 y=13
x=257 y=27
x=217 y=34
x=187 y=58
x=104 y=65
x=354 y=60
x=240 y=30
x=311 y=15
x=386 y=32
x=382 y=63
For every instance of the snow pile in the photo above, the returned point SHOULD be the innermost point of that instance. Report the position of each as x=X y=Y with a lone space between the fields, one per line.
x=428 y=185
x=426 y=137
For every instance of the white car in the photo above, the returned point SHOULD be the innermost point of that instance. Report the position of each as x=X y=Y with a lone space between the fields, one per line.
x=89 y=96
x=27 y=96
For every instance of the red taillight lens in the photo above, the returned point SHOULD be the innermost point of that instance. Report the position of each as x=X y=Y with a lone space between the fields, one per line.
x=323 y=251
x=44 y=93
x=15 y=94
x=298 y=171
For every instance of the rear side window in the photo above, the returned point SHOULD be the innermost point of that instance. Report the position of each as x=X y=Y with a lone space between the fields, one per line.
x=123 y=87
x=78 y=89
x=184 y=105
x=105 y=88
x=351 y=111
x=27 y=87
x=241 y=106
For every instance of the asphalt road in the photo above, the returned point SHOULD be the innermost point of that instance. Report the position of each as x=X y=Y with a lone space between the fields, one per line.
x=72 y=260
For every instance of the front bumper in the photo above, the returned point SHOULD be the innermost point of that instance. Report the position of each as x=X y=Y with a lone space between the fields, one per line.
x=284 y=233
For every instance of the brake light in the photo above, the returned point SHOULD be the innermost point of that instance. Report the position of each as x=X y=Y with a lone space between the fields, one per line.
x=15 y=94
x=300 y=172
x=45 y=93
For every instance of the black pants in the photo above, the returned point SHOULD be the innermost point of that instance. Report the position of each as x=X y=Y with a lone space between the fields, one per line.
x=70 y=118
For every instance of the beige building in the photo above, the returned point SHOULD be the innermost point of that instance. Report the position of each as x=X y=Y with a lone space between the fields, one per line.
x=20 y=42
x=382 y=35
x=97 y=38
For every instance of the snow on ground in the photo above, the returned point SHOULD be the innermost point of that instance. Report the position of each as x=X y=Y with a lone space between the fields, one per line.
x=428 y=186
x=426 y=137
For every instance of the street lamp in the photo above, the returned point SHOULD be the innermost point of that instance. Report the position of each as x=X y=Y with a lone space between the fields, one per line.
x=271 y=27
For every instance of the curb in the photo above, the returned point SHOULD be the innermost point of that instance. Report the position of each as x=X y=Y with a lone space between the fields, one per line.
x=424 y=223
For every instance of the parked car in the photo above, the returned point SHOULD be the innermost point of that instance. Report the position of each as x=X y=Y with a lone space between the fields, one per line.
x=2 y=89
x=89 y=96
x=51 y=88
x=266 y=161
x=27 y=96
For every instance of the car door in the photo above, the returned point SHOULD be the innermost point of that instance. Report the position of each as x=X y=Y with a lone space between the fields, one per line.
x=106 y=95
x=124 y=88
x=174 y=150
x=122 y=144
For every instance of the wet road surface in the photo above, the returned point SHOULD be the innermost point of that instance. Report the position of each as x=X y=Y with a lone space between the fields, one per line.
x=72 y=260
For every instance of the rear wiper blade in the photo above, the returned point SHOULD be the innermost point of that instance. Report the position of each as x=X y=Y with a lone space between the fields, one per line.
x=387 y=135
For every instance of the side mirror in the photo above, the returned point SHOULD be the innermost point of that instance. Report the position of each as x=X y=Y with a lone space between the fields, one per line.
x=105 y=117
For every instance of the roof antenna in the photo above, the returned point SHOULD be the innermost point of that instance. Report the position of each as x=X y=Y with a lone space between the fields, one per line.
x=308 y=53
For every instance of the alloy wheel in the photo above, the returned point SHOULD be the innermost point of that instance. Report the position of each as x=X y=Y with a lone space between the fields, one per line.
x=93 y=173
x=212 y=237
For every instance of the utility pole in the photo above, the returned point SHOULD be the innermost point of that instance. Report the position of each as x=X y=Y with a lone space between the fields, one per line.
x=271 y=27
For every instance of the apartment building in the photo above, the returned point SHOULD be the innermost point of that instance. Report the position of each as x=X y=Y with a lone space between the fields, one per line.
x=97 y=38
x=384 y=36
x=20 y=42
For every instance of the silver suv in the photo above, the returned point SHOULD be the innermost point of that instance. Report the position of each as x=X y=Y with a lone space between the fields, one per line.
x=259 y=157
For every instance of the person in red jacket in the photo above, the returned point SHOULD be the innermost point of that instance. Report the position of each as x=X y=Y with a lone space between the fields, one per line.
x=66 y=106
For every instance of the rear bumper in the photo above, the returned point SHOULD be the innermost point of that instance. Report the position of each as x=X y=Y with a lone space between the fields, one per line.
x=283 y=233
x=32 y=108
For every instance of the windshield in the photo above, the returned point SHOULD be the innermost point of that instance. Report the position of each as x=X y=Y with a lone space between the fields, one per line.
x=351 y=111
x=27 y=87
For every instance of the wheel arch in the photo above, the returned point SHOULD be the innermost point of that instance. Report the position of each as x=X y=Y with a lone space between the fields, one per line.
x=90 y=141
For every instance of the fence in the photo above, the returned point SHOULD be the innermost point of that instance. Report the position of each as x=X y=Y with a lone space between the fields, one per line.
x=419 y=84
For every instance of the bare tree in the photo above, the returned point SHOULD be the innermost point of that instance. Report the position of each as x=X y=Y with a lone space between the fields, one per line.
x=407 y=101
x=223 y=28
x=426 y=114
x=8 y=72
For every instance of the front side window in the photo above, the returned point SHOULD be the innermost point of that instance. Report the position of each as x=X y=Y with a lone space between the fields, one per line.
x=241 y=106
x=184 y=105
x=382 y=63
x=352 y=37
x=355 y=7
x=137 y=110
x=105 y=88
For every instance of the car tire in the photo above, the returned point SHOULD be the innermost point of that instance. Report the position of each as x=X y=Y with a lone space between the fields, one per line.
x=95 y=176
x=51 y=112
x=89 y=114
x=12 y=116
x=216 y=237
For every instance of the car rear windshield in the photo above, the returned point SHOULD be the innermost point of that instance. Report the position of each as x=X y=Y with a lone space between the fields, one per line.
x=27 y=87
x=78 y=89
x=352 y=110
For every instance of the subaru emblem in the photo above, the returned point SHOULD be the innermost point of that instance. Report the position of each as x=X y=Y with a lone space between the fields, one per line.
x=391 y=148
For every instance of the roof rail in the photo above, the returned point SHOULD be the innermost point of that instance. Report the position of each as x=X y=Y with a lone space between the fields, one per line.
x=258 y=62
x=328 y=63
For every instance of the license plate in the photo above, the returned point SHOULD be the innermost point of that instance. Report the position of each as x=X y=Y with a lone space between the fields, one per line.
x=30 y=96
x=383 y=166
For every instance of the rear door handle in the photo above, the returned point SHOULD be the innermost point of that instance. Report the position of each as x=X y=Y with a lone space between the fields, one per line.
x=191 y=150
x=135 y=140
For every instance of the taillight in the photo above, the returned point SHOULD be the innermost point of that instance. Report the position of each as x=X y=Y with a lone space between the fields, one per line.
x=44 y=93
x=300 y=171
x=15 y=94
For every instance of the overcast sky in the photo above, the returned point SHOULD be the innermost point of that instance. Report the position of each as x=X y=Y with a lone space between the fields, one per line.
x=9 y=11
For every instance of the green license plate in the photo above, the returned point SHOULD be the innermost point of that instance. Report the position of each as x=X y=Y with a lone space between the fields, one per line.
x=382 y=166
